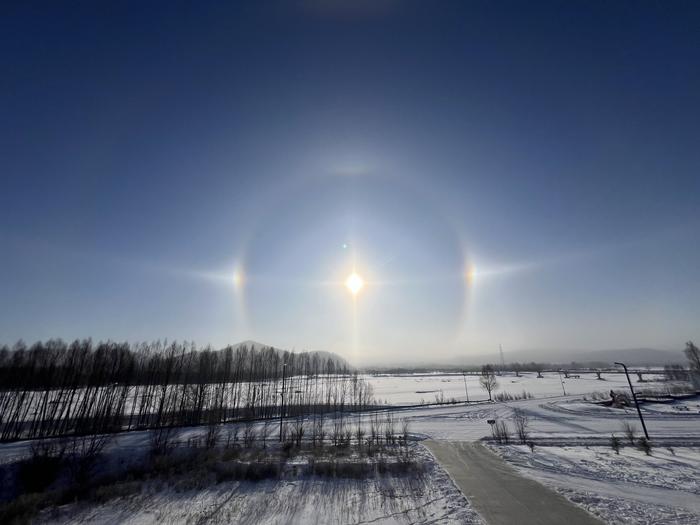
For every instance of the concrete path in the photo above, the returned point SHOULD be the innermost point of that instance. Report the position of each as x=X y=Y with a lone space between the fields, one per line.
x=499 y=493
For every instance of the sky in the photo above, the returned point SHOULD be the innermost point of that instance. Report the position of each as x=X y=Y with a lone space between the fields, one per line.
x=524 y=174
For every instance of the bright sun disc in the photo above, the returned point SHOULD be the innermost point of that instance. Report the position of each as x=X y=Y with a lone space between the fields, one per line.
x=354 y=283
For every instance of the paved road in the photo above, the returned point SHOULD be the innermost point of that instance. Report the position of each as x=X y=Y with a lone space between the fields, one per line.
x=499 y=493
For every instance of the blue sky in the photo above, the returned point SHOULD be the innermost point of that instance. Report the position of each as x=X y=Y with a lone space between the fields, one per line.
x=149 y=152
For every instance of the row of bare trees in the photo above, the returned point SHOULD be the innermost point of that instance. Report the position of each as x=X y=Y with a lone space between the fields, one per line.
x=58 y=389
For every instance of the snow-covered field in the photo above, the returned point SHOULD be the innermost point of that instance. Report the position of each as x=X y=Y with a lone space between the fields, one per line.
x=414 y=389
x=393 y=390
x=563 y=419
x=630 y=488
x=576 y=461
x=429 y=497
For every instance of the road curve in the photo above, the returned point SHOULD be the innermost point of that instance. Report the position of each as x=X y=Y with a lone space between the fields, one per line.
x=499 y=493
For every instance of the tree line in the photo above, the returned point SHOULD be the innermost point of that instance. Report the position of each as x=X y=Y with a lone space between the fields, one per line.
x=55 y=388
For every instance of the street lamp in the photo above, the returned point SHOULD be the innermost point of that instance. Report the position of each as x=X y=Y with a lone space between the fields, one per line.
x=562 y=382
x=464 y=375
x=635 y=399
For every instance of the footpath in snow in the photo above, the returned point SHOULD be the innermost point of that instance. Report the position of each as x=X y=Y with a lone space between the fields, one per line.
x=499 y=493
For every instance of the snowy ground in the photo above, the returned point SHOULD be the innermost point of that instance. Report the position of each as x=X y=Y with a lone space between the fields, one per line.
x=629 y=488
x=421 y=389
x=429 y=497
x=563 y=418
x=414 y=389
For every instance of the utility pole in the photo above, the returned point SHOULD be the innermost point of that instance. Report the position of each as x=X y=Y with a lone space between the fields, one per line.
x=562 y=382
x=635 y=399
x=464 y=375
x=284 y=368
x=503 y=361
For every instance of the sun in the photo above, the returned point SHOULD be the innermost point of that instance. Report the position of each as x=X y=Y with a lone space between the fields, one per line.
x=354 y=283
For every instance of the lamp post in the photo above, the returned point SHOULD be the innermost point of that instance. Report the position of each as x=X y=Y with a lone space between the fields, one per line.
x=464 y=375
x=636 y=403
x=562 y=382
x=284 y=368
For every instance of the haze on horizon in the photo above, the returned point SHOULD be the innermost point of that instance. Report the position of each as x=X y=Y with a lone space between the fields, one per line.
x=510 y=173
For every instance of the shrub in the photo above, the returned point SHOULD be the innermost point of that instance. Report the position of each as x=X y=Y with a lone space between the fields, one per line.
x=615 y=443
x=620 y=400
x=232 y=436
x=506 y=396
x=364 y=469
x=196 y=479
x=352 y=470
x=500 y=433
x=238 y=471
x=629 y=430
x=162 y=440
x=83 y=454
x=230 y=453
x=117 y=490
x=43 y=466
x=36 y=474
x=22 y=509
x=644 y=445
x=406 y=466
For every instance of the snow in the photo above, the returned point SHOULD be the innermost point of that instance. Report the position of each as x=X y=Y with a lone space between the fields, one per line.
x=689 y=407
x=414 y=389
x=576 y=461
x=418 y=389
x=430 y=497
x=627 y=488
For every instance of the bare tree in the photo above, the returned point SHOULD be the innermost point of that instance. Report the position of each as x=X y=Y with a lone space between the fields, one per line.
x=298 y=430
x=319 y=430
x=675 y=372
x=500 y=433
x=54 y=389
x=212 y=435
x=389 y=429
x=520 y=420
x=488 y=380
x=517 y=367
x=265 y=431
x=249 y=434
x=537 y=367
x=232 y=436
x=359 y=432
x=405 y=430
x=374 y=428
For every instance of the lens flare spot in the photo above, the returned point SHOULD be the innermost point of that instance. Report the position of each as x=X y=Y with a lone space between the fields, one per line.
x=237 y=278
x=470 y=274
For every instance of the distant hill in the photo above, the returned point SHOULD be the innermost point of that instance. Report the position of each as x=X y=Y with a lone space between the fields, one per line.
x=630 y=356
x=585 y=358
x=322 y=355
